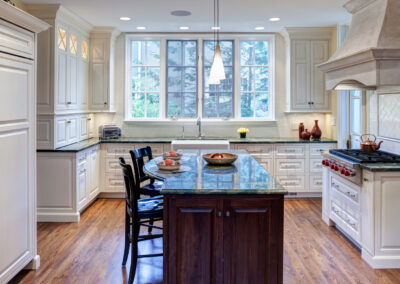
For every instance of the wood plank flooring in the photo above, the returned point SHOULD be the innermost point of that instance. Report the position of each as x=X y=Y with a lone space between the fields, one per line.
x=91 y=251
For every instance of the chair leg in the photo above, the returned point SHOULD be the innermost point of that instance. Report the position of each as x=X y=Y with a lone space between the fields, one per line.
x=127 y=233
x=150 y=229
x=134 y=252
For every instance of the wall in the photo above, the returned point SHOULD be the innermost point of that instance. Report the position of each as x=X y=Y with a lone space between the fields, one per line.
x=285 y=125
x=384 y=118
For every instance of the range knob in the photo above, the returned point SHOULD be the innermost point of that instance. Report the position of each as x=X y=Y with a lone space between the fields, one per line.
x=342 y=171
x=346 y=173
x=333 y=166
x=336 y=167
x=324 y=162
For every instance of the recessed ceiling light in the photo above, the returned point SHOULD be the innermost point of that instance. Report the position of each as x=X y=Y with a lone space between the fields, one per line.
x=181 y=13
x=140 y=28
x=183 y=28
x=125 y=19
x=215 y=28
x=259 y=28
x=276 y=19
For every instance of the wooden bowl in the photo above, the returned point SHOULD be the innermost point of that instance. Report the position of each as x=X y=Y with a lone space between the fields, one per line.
x=174 y=167
x=226 y=159
x=177 y=157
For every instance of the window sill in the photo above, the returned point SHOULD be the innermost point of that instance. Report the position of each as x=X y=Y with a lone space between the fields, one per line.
x=205 y=122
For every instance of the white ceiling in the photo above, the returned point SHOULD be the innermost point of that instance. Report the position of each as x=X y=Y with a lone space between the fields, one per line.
x=235 y=15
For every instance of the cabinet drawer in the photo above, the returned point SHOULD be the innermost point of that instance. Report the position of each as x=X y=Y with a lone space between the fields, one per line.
x=114 y=184
x=113 y=167
x=118 y=149
x=316 y=150
x=286 y=166
x=316 y=165
x=259 y=149
x=349 y=194
x=267 y=164
x=315 y=183
x=15 y=40
x=290 y=151
x=348 y=221
x=81 y=158
x=292 y=183
x=156 y=148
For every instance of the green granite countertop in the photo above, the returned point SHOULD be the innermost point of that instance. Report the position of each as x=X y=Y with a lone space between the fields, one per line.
x=244 y=176
x=82 y=145
x=381 y=167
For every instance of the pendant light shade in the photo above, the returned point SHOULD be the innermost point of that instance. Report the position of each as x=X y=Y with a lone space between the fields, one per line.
x=217 y=72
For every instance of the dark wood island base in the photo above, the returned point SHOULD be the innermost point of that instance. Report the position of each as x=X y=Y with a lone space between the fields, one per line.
x=223 y=238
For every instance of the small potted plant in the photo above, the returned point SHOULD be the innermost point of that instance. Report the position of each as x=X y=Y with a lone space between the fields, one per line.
x=242 y=132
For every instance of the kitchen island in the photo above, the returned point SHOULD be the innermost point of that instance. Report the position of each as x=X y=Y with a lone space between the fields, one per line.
x=221 y=224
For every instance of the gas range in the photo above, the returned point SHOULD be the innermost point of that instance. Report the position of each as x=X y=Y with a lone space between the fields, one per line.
x=347 y=162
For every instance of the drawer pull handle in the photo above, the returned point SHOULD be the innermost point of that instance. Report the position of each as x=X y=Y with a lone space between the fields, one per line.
x=219 y=214
x=69 y=121
x=227 y=214
x=68 y=103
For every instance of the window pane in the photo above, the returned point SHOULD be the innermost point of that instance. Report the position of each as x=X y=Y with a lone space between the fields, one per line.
x=174 y=79
x=174 y=104
x=218 y=103
x=138 y=52
x=153 y=53
x=261 y=49
x=153 y=105
x=356 y=116
x=189 y=105
x=174 y=53
x=261 y=78
x=138 y=103
x=153 y=79
x=182 y=78
x=254 y=79
x=247 y=105
x=262 y=105
x=138 y=79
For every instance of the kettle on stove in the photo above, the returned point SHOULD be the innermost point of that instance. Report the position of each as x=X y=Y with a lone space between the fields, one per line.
x=369 y=145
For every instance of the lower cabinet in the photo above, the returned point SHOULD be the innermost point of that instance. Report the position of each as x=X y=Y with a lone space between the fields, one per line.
x=223 y=239
x=67 y=183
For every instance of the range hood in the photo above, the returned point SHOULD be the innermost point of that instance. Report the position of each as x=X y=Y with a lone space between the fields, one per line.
x=369 y=58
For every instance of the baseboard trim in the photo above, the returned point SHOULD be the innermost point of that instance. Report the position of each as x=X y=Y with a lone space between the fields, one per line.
x=34 y=264
x=112 y=195
x=304 y=195
x=381 y=262
x=58 y=217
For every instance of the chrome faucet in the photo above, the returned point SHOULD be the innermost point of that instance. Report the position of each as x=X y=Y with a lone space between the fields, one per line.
x=199 y=125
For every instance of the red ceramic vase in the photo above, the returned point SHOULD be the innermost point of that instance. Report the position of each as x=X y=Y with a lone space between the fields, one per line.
x=305 y=135
x=316 y=132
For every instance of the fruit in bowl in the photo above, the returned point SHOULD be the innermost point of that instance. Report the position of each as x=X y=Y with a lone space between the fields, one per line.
x=169 y=165
x=172 y=155
x=217 y=156
x=220 y=158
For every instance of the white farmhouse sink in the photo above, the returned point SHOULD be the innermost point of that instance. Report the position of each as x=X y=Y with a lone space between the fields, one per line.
x=200 y=144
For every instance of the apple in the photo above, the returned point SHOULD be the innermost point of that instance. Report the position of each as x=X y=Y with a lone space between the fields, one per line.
x=217 y=156
x=168 y=162
x=172 y=153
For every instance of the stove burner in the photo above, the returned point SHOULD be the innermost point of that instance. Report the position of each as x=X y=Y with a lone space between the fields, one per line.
x=359 y=156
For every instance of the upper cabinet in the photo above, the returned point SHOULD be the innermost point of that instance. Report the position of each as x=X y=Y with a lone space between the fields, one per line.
x=63 y=61
x=102 y=46
x=306 y=48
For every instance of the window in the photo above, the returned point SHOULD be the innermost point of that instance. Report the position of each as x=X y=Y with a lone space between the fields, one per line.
x=355 y=118
x=167 y=78
x=62 y=39
x=182 y=78
x=84 y=50
x=254 y=79
x=218 y=99
x=73 y=44
x=145 y=99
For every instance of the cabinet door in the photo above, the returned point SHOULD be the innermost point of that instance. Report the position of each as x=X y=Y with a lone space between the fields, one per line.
x=300 y=69
x=72 y=130
x=60 y=68
x=83 y=83
x=319 y=54
x=94 y=172
x=84 y=127
x=253 y=234
x=17 y=164
x=72 y=97
x=194 y=241
x=61 y=132
x=83 y=182
x=91 y=126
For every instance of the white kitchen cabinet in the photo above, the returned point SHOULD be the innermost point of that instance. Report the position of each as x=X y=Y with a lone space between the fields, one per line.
x=102 y=48
x=67 y=183
x=306 y=48
x=84 y=127
x=18 y=245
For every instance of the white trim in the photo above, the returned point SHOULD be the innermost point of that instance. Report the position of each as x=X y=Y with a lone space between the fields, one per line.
x=209 y=122
x=200 y=37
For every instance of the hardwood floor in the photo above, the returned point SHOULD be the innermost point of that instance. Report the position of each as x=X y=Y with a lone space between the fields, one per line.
x=91 y=251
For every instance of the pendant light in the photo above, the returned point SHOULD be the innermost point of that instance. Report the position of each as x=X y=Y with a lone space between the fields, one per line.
x=217 y=72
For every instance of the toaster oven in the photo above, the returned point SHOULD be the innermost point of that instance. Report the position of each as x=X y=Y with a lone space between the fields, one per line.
x=110 y=132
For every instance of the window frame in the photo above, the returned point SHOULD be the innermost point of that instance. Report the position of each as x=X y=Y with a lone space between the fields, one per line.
x=200 y=38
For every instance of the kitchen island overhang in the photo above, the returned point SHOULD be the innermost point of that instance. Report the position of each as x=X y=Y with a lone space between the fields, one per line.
x=221 y=224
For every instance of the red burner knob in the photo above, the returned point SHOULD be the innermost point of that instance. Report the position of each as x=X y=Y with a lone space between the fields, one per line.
x=342 y=171
x=347 y=173
x=323 y=162
x=332 y=166
x=336 y=168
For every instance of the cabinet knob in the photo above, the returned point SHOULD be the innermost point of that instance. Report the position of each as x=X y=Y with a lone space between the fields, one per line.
x=68 y=103
x=89 y=119
x=69 y=121
x=365 y=179
x=105 y=103
x=227 y=213
x=219 y=214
